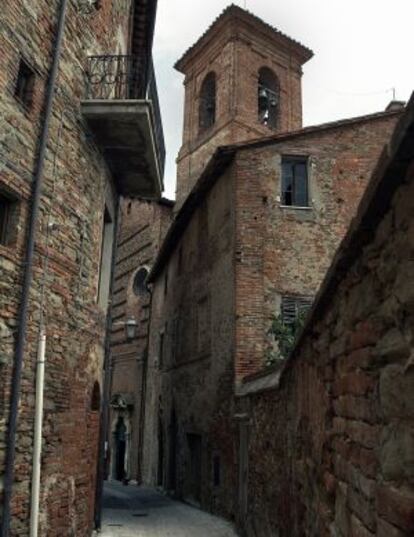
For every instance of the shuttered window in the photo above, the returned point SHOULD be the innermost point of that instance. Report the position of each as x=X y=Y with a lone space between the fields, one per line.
x=292 y=306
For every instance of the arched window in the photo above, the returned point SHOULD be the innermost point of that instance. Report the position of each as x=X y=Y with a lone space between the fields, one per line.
x=207 y=106
x=268 y=98
x=96 y=397
x=140 y=281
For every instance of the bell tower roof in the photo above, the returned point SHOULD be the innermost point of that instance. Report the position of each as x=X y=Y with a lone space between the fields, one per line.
x=233 y=18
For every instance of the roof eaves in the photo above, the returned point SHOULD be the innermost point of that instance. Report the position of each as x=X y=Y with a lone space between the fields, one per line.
x=233 y=9
x=312 y=129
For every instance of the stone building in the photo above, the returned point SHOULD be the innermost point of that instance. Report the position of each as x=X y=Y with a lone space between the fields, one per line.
x=142 y=228
x=327 y=443
x=77 y=130
x=255 y=232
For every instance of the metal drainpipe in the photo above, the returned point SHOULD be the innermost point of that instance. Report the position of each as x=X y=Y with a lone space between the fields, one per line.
x=103 y=430
x=28 y=276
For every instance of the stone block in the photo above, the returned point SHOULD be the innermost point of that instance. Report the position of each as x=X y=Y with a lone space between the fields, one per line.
x=396 y=390
x=396 y=506
x=396 y=452
x=392 y=346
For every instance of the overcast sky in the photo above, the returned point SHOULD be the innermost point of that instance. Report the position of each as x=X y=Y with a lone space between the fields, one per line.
x=363 y=48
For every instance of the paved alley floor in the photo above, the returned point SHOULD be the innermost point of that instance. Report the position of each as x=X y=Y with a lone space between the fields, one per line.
x=131 y=511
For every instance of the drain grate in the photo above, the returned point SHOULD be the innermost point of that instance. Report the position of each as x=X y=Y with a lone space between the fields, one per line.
x=115 y=525
x=139 y=514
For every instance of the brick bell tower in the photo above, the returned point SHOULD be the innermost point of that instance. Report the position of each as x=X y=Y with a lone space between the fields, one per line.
x=242 y=81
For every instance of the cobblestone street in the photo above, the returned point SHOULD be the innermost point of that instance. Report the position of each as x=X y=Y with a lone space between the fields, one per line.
x=131 y=511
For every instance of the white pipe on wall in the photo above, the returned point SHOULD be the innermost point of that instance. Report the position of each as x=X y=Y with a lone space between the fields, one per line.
x=37 y=441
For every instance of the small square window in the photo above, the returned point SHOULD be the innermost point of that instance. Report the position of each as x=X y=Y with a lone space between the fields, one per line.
x=25 y=84
x=295 y=187
x=7 y=219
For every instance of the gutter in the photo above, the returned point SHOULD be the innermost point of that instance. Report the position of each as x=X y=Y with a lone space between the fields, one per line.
x=28 y=277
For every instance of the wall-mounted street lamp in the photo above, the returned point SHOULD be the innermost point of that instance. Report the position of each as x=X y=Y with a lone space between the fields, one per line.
x=130 y=326
x=86 y=7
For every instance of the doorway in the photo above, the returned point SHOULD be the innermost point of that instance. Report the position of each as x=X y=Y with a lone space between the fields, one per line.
x=120 y=450
x=172 y=477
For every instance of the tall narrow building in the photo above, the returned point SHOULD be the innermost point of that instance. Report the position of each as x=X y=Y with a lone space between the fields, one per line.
x=242 y=81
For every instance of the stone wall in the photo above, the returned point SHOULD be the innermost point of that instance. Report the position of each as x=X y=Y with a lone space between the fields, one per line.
x=142 y=228
x=331 y=446
x=76 y=186
x=190 y=372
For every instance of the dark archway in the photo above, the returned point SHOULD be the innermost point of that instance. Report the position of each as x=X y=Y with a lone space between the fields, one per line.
x=268 y=98
x=120 y=449
x=207 y=104
x=96 y=397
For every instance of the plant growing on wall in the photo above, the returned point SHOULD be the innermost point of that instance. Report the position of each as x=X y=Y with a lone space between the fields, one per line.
x=285 y=335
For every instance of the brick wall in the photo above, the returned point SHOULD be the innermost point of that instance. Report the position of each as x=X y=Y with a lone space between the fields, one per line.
x=74 y=194
x=142 y=228
x=235 y=48
x=189 y=386
x=331 y=446
x=286 y=251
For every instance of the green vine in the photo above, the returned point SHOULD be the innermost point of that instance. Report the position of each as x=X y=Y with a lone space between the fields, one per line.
x=285 y=335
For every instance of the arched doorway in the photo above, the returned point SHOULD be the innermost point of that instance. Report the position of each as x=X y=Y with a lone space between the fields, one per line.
x=120 y=442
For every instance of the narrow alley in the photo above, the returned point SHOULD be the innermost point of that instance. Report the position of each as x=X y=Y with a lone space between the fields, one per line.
x=141 y=512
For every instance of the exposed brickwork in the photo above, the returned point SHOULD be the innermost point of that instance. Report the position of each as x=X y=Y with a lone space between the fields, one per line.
x=75 y=197
x=336 y=436
x=142 y=228
x=235 y=48
x=284 y=250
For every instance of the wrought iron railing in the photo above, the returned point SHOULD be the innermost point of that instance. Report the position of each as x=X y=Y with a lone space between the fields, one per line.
x=158 y=129
x=126 y=77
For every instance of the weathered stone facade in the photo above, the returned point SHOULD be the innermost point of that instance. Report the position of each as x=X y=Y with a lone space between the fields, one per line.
x=234 y=49
x=232 y=252
x=142 y=228
x=79 y=199
x=331 y=437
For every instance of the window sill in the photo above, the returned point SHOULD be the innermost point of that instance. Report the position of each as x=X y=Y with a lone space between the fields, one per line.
x=296 y=207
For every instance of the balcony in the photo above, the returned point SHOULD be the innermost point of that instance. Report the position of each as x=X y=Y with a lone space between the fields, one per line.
x=122 y=110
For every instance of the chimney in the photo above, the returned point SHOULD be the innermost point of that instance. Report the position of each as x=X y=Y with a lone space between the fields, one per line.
x=395 y=105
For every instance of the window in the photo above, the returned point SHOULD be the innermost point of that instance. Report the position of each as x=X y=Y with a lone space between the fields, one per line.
x=294 y=306
x=7 y=218
x=106 y=259
x=25 y=84
x=268 y=98
x=140 y=282
x=96 y=397
x=207 y=105
x=161 y=350
x=295 y=190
